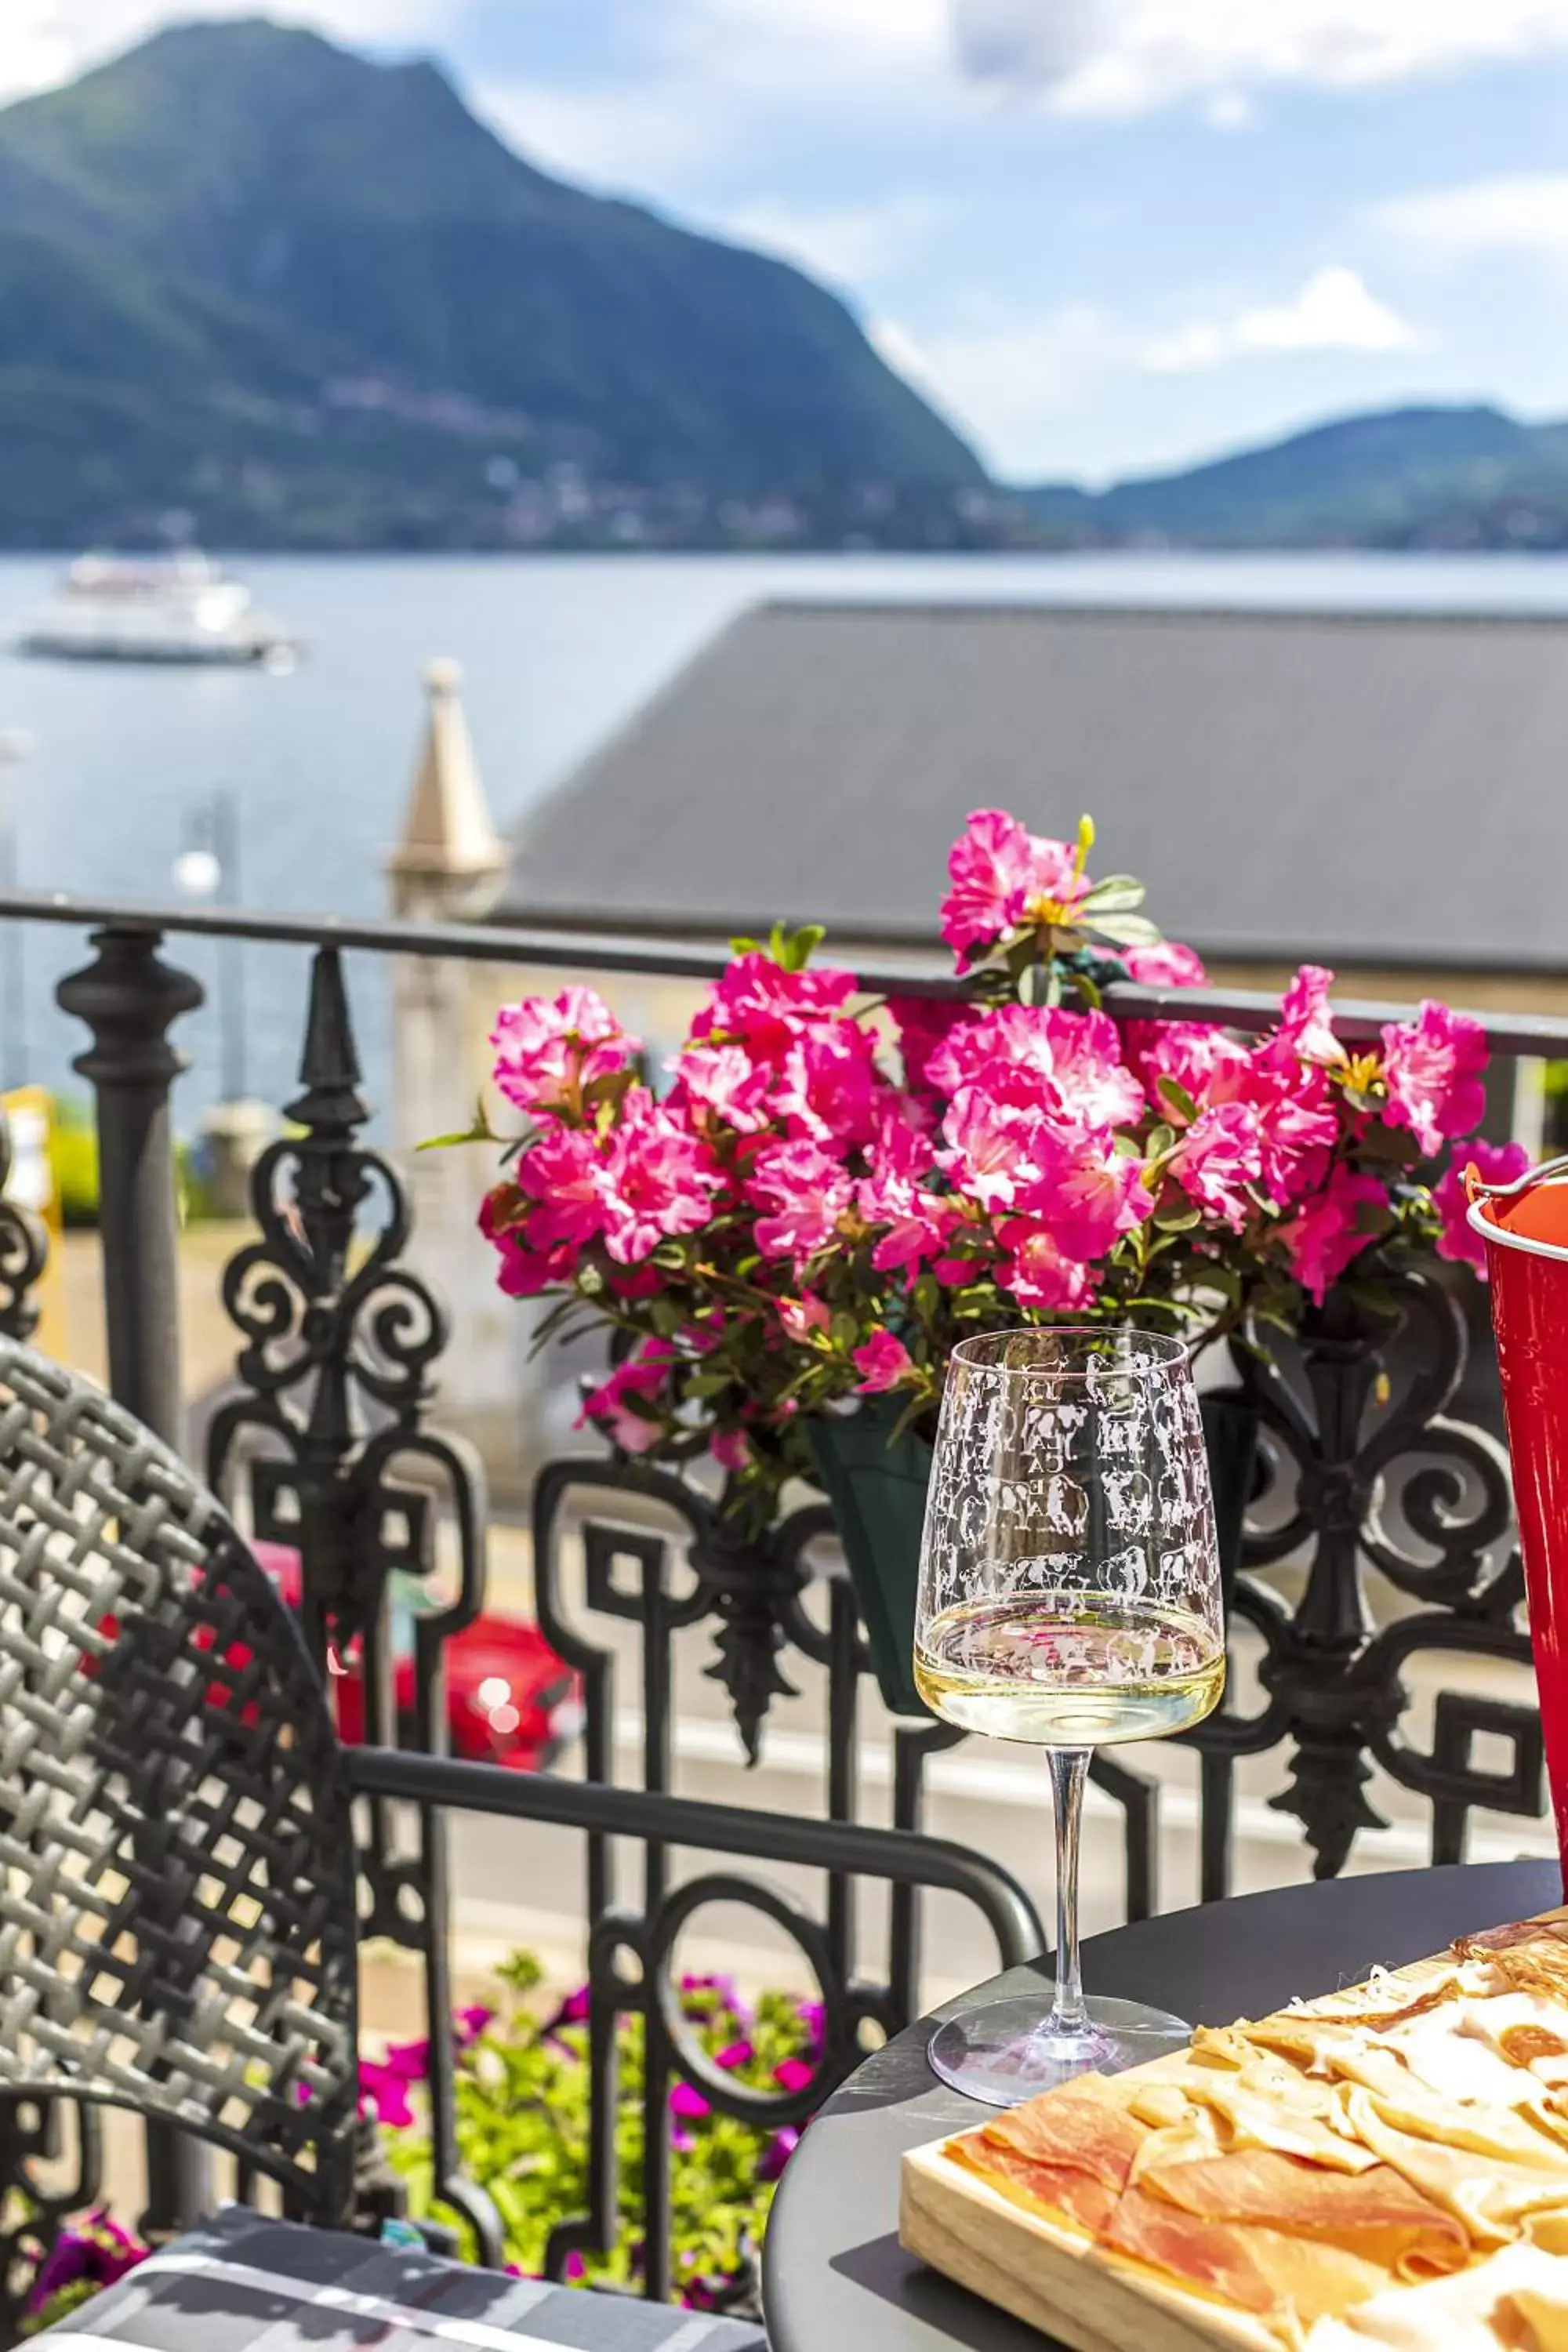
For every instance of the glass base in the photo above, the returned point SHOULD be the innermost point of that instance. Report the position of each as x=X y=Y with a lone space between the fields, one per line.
x=1004 y=2052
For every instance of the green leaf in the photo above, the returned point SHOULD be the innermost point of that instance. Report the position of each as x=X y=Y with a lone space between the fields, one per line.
x=796 y=949
x=481 y=1132
x=745 y=947
x=1176 y=1097
x=1117 y=894
x=1179 y=1220
x=1161 y=1140
x=1127 y=930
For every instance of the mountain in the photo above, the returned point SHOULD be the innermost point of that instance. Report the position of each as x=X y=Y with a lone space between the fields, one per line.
x=1426 y=477
x=310 y=300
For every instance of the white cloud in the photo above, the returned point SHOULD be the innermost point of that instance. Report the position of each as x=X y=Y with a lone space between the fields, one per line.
x=1335 y=310
x=43 y=42
x=1125 y=56
x=1001 y=375
x=1521 y=212
x=854 y=245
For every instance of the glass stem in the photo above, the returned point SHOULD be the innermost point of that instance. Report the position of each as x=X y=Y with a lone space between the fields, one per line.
x=1069 y=1767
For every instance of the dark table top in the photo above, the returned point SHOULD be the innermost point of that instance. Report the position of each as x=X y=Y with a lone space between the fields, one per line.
x=835 y=2279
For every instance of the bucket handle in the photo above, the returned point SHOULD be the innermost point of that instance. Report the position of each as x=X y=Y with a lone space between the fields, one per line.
x=1475 y=1189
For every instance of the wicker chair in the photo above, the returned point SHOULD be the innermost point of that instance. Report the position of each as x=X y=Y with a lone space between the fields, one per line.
x=177 y=1874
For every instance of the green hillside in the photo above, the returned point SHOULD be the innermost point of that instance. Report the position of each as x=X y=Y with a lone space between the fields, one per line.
x=1405 y=478
x=310 y=300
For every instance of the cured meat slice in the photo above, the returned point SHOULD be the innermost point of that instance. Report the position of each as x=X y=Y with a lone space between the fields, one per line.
x=1377 y=2212
x=1056 y=2190
x=1207 y=2255
x=1073 y=2127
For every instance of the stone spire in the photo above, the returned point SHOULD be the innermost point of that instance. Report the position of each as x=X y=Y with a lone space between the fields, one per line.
x=450 y=858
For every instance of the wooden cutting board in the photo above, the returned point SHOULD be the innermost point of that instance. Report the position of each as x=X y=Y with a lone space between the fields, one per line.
x=1058 y=2281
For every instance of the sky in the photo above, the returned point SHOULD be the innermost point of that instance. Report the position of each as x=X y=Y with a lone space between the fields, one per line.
x=1104 y=237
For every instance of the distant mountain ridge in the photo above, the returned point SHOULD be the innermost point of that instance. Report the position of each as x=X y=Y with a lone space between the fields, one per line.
x=306 y=297
x=1434 y=477
x=258 y=289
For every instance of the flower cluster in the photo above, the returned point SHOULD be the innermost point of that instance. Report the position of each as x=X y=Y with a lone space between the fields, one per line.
x=88 y=2255
x=828 y=1192
x=523 y=2113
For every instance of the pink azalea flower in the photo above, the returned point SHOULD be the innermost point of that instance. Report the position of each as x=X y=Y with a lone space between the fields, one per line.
x=803 y=1192
x=547 y=1045
x=801 y=1317
x=924 y=1022
x=562 y=1173
x=1495 y=1163
x=1036 y=1271
x=1196 y=1054
x=656 y=1179
x=642 y=1375
x=1297 y=1126
x=1327 y=1231
x=764 y=1007
x=1068 y=1062
x=881 y=1361
x=524 y=1273
x=1088 y=1192
x=996 y=1150
x=1220 y=1154
x=826 y=1086
x=729 y=1448
x=894 y=1194
x=1166 y=964
x=724 y=1079
x=1433 y=1066
x=1003 y=876
x=1306 y=1024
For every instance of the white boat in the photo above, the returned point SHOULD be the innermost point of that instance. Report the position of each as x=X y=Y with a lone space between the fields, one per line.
x=182 y=609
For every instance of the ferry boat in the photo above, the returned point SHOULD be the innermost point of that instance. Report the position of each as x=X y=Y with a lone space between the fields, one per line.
x=181 y=609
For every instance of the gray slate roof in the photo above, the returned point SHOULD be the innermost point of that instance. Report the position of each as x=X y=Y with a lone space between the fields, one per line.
x=1359 y=786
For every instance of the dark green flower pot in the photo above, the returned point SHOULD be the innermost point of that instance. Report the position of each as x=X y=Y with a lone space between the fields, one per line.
x=877 y=1491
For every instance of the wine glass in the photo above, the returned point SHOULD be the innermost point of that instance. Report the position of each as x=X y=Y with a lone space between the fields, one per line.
x=1069 y=1596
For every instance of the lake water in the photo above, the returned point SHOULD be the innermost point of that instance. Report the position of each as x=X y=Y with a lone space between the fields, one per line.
x=556 y=651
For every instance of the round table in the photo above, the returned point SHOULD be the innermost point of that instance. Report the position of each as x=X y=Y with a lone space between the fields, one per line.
x=835 y=2276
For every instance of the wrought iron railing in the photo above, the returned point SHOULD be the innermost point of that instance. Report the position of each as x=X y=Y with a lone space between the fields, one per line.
x=1382 y=1534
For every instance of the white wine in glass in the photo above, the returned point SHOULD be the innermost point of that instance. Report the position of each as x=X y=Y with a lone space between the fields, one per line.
x=1069 y=1597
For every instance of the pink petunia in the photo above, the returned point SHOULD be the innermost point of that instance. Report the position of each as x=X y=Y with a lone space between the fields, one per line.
x=793 y=2074
x=1331 y=1229
x=882 y=1360
x=547 y=1046
x=388 y=2089
x=802 y=1193
x=687 y=2102
x=735 y=2054
x=656 y=1179
x=1433 y=1066
x=777 y=2153
x=1218 y=1157
x=1306 y=1024
x=1495 y=1163
x=1166 y=964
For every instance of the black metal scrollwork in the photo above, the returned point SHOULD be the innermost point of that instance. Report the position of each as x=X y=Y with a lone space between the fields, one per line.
x=327 y=1445
x=24 y=1253
x=1369 y=1475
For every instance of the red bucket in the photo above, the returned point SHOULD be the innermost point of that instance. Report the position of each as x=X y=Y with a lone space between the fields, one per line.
x=1525 y=1228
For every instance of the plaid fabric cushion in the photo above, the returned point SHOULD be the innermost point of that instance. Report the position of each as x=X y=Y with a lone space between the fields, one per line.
x=242 y=2284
